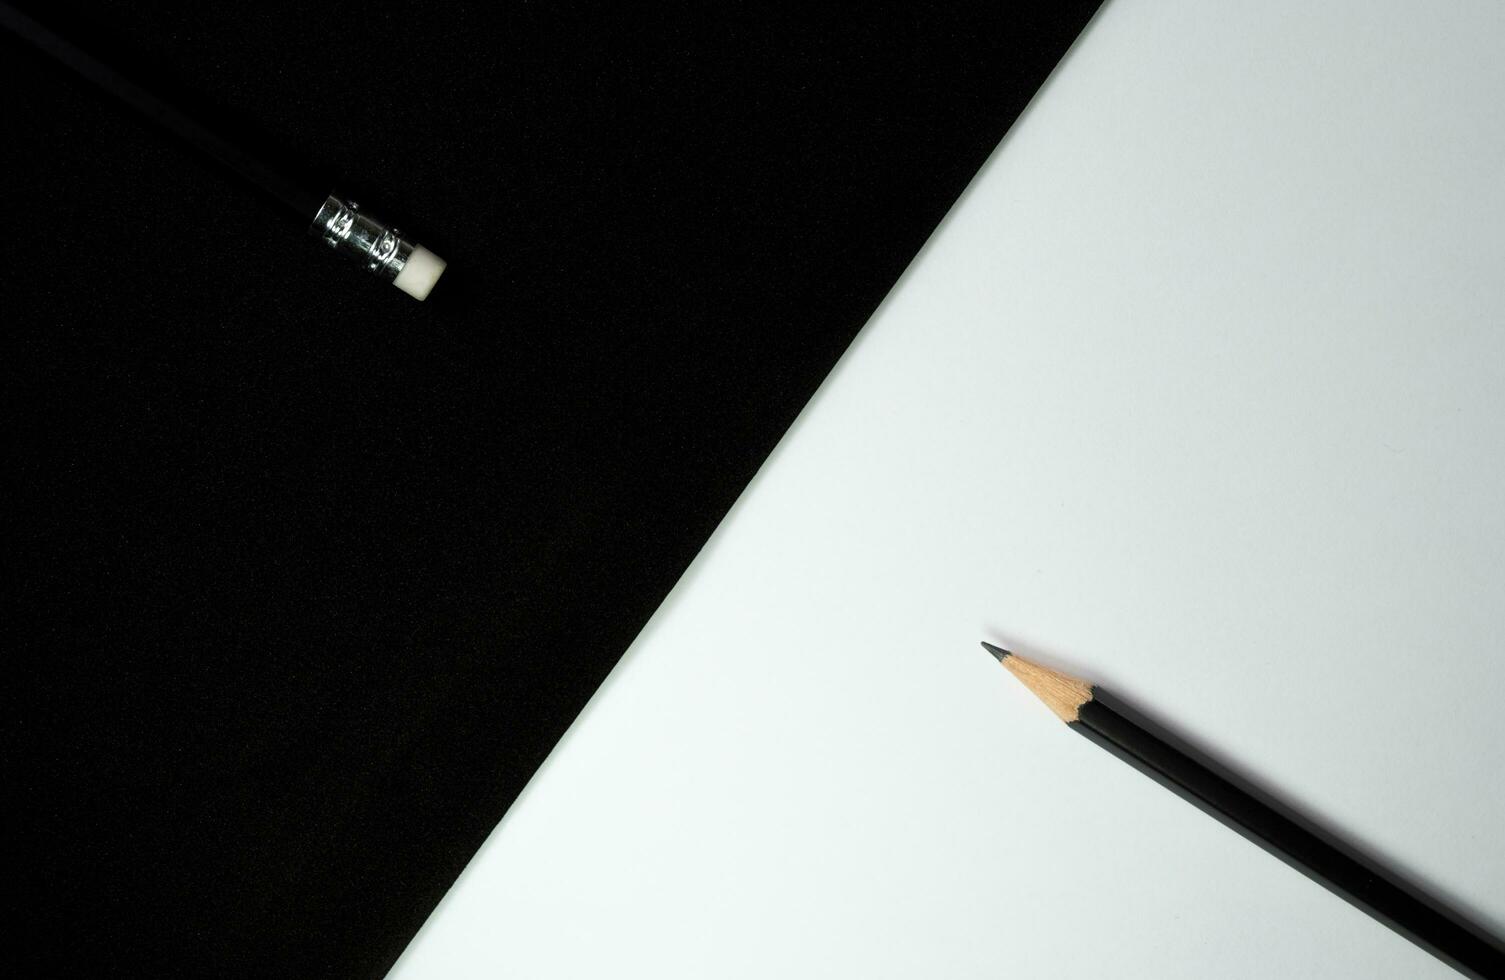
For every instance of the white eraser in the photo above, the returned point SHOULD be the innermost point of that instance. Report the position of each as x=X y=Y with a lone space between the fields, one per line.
x=422 y=269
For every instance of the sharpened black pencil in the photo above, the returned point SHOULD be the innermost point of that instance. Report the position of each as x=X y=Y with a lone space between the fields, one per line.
x=1314 y=851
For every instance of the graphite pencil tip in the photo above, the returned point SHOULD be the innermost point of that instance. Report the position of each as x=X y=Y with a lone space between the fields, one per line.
x=998 y=652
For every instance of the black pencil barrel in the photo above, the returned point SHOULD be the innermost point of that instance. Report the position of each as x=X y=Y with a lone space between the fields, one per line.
x=1404 y=907
x=301 y=198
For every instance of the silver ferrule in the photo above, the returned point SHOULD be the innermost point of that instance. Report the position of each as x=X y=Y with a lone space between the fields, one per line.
x=344 y=227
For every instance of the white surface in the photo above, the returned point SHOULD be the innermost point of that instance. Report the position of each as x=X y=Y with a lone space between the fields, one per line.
x=418 y=275
x=1199 y=392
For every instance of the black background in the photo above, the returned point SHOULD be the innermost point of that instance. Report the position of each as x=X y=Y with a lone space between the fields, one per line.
x=309 y=577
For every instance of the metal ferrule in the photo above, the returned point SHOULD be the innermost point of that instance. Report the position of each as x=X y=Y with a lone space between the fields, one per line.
x=344 y=227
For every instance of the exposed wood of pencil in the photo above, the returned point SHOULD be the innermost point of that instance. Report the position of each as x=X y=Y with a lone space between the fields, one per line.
x=1061 y=693
x=1250 y=810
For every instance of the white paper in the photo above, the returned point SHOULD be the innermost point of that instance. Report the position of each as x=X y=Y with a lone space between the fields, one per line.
x=1198 y=393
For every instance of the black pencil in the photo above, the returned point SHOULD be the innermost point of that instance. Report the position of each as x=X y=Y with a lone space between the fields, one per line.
x=1320 y=855
x=339 y=222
